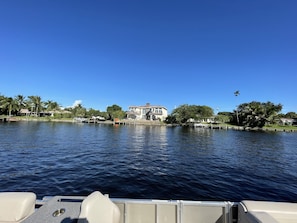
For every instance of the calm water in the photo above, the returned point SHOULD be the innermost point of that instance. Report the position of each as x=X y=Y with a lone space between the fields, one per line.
x=147 y=162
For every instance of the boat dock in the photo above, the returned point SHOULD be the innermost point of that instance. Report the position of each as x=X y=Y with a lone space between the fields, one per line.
x=8 y=119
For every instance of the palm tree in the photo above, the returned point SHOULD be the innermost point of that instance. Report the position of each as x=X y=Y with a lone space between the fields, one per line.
x=35 y=102
x=51 y=105
x=8 y=103
x=1 y=98
x=236 y=93
x=20 y=102
x=79 y=111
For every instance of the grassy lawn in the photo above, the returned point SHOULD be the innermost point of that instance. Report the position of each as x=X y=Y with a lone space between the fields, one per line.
x=281 y=127
x=46 y=119
x=286 y=128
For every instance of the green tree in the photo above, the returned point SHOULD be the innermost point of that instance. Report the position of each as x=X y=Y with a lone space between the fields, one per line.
x=257 y=114
x=290 y=115
x=51 y=106
x=170 y=119
x=92 y=112
x=8 y=104
x=115 y=111
x=222 y=118
x=229 y=114
x=182 y=113
x=20 y=101
x=36 y=104
x=185 y=112
x=79 y=111
x=1 y=109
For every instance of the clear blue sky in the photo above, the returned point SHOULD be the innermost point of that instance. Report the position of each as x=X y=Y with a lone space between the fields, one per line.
x=165 y=52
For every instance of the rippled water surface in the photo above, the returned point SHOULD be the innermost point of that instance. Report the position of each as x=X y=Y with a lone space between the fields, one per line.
x=147 y=161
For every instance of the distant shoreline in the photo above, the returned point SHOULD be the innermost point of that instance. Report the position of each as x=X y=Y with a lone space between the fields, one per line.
x=71 y=120
x=151 y=123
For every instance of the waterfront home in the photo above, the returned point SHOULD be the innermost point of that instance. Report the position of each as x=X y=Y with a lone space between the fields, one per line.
x=147 y=112
x=26 y=112
x=288 y=121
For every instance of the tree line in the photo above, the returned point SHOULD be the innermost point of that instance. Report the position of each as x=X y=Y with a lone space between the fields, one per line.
x=252 y=114
x=12 y=106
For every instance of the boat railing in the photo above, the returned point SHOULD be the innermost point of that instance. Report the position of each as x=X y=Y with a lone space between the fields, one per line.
x=175 y=211
x=161 y=211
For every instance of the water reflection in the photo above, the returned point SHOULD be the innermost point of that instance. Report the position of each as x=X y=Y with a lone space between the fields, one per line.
x=148 y=161
x=141 y=137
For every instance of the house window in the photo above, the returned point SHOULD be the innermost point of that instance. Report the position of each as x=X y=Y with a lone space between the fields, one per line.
x=158 y=111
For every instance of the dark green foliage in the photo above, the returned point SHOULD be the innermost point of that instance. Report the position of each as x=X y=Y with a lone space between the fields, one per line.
x=185 y=112
x=223 y=118
x=92 y=112
x=36 y=104
x=115 y=111
x=170 y=119
x=8 y=105
x=290 y=115
x=257 y=114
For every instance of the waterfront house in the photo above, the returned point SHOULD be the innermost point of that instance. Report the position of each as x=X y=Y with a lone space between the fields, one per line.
x=24 y=112
x=288 y=121
x=147 y=112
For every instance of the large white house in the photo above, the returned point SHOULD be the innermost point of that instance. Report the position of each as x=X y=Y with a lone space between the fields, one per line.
x=147 y=112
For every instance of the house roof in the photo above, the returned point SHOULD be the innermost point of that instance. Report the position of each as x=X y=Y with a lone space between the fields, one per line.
x=148 y=105
x=24 y=111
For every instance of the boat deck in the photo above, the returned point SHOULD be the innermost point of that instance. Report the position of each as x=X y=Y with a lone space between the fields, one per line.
x=66 y=209
x=16 y=207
